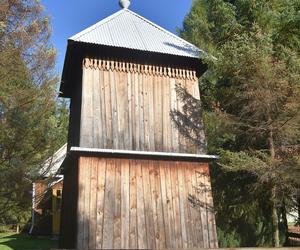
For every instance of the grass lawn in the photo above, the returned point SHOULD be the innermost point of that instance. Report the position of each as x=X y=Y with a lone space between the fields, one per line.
x=11 y=241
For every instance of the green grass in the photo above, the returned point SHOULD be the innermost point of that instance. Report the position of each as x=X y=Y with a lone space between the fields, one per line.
x=11 y=241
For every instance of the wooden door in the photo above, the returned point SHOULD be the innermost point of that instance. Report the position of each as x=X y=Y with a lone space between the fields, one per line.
x=56 y=209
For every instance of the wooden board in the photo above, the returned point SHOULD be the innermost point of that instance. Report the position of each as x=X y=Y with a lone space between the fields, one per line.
x=93 y=204
x=133 y=207
x=101 y=181
x=142 y=204
x=86 y=207
x=127 y=106
x=149 y=213
x=125 y=204
x=141 y=219
x=109 y=206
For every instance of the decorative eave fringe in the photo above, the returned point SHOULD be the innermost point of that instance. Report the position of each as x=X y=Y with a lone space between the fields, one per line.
x=111 y=65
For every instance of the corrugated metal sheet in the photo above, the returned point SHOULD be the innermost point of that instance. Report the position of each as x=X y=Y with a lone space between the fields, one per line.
x=126 y=29
x=52 y=165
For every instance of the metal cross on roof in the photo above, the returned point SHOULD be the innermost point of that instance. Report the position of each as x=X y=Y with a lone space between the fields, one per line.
x=124 y=3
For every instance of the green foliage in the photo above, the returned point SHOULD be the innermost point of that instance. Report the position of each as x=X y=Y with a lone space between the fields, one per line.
x=251 y=102
x=228 y=239
x=242 y=216
x=32 y=122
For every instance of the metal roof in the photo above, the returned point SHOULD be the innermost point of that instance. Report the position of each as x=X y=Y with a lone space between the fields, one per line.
x=52 y=165
x=126 y=29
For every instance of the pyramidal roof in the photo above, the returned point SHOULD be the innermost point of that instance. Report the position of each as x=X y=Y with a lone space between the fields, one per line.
x=126 y=29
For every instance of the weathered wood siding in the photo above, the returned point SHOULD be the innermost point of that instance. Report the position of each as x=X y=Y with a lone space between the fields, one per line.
x=139 y=204
x=128 y=105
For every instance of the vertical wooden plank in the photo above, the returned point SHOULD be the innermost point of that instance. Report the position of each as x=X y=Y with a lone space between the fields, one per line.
x=103 y=143
x=151 y=113
x=97 y=121
x=129 y=137
x=181 y=138
x=108 y=227
x=190 y=217
x=154 y=195
x=81 y=199
x=159 y=207
x=114 y=81
x=141 y=220
x=87 y=192
x=86 y=121
x=100 y=201
x=133 y=207
x=90 y=110
x=173 y=105
x=108 y=109
x=133 y=111
x=176 y=205
x=197 y=225
x=136 y=116
x=166 y=119
x=190 y=147
x=158 y=112
x=164 y=202
x=117 y=210
x=201 y=196
x=146 y=111
x=93 y=204
x=183 y=199
x=212 y=230
x=141 y=111
x=196 y=91
x=125 y=205
x=123 y=110
x=83 y=103
x=171 y=220
x=148 y=206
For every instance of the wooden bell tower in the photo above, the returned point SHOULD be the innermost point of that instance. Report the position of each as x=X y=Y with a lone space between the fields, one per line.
x=131 y=179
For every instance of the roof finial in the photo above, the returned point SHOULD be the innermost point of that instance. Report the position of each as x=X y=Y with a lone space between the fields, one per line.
x=124 y=3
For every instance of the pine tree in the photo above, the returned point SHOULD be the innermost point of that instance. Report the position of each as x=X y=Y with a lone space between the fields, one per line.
x=32 y=121
x=251 y=91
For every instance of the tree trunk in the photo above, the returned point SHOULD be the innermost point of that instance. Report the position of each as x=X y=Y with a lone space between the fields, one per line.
x=271 y=145
x=298 y=201
x=285 y=222
x=275 y=222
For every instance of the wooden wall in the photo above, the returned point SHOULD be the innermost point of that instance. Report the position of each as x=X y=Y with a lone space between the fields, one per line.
x=42 y=208
x=128 y=105
x=139 y=204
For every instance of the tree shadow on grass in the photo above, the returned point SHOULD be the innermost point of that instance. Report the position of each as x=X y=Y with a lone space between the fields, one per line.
x=25 y=241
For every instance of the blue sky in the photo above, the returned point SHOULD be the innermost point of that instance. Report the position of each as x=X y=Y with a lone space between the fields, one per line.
x=69 y=17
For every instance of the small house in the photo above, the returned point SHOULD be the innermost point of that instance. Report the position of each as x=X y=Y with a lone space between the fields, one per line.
x=47 y=196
